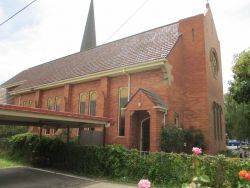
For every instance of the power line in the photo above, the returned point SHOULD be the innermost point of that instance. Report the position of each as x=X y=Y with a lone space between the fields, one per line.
x=126 y=21
x=18 y=12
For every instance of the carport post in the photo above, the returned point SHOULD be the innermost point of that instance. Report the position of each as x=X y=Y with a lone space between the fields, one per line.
x=67 y=134
x=104 y=135
x=79 y=135
x=40 y=132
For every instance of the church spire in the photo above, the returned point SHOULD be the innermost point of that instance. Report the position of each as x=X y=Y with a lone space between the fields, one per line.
x=89 y=37
x=207 y=5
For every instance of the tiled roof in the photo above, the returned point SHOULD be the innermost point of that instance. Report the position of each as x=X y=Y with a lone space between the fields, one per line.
x=156 y=99
x=152 y=96
x=140 y=48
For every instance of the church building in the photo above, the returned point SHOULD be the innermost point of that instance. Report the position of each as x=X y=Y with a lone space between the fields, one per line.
x=126 y=91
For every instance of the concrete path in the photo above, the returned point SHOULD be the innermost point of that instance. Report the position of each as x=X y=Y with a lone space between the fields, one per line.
x=108 y=185
x=26 y=177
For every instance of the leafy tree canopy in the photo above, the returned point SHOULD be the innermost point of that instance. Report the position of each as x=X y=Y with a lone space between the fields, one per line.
x=240 y=87
x=237 y=116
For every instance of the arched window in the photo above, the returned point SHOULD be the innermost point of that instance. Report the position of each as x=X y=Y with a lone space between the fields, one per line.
x=25 y=104
x=82 y=103
x=92 y=106
x=30 y=103
x=123 y=99
x=50 y=103
x=57 y=105
x=215 y=120
x=220 y=121
x=217 y=114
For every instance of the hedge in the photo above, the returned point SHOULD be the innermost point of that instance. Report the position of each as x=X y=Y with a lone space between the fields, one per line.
x=165 y=169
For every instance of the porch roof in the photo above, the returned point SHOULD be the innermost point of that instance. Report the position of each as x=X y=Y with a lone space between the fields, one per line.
x=152 y=96
x=17 y=115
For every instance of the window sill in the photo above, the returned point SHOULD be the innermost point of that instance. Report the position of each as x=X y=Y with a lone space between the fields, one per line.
x=121 y=137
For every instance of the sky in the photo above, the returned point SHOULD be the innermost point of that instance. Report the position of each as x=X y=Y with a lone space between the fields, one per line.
x=50 y=29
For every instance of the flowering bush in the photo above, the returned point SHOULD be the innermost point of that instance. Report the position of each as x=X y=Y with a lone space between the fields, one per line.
x=196 y=151
x=198 y=179
x=244 y=179
x=144 y=183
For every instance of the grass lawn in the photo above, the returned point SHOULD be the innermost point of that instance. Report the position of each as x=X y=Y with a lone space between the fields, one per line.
x=6 y=161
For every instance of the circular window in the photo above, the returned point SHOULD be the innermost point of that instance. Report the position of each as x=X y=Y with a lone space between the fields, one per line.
x=214 y=62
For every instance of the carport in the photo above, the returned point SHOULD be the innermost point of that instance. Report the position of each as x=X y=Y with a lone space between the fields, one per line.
x=24 y=116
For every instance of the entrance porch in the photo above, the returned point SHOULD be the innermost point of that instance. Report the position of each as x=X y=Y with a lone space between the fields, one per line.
x=144 y=118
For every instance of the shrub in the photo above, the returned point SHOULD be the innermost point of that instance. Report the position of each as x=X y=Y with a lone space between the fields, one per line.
x=177 y=140
x=7 y=131
x=164 y=169
x=115 y=160
x=193 y=137
x=23 y=144
x=172 y=139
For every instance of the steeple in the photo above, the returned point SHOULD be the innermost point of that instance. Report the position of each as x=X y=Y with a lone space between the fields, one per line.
x=89 y=37
x=207 y=5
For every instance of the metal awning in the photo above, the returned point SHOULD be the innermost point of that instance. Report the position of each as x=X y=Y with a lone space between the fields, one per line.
x=17 y=115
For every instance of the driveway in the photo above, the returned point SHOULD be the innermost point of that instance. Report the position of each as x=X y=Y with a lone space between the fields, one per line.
x=26 y=177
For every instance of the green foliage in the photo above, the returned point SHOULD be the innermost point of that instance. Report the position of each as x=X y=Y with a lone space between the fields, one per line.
x=10 y=130
x=237 y=102
x=177 y=140
x=194 y=138
x=115 y=156
x=172 y=139
x=240 y=87
x=7 y=161
x=237 y=118
x=164 y=169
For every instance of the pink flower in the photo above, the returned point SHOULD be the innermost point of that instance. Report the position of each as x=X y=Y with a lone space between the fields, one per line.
x=144 y=183
x=196 y=150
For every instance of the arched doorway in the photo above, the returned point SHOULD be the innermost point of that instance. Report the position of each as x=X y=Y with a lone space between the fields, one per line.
x=140 y=131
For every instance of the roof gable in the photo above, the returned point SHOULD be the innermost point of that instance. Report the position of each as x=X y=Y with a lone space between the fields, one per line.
x=152 y=96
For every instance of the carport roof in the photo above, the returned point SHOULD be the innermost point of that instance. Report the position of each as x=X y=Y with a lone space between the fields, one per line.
x=17 y=115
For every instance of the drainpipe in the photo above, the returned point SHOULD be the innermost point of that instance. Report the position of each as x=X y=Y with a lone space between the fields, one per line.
x=129 y=83
x=164 y=119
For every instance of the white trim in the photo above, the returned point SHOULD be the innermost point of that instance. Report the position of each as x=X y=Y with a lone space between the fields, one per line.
x=35 y=115
x=59 y=173
x=13 y=84
x=161 y=108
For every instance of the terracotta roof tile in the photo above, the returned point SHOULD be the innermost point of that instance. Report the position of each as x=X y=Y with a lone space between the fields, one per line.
x=144 y=47
x=156 y=99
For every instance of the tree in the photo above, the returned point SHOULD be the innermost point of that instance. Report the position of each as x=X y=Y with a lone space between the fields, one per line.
x=240 y=87
x=237 y=101
x=237 y=118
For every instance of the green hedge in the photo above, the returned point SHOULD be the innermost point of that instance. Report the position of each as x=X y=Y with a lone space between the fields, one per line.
x=168 y=169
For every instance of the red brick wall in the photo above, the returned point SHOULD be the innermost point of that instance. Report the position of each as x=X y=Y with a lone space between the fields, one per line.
x=215 y=87
x=85 y=88
x=25 y=97
x=200 y=89
x=56 y=92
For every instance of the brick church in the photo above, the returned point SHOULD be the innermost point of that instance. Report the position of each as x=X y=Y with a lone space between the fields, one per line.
x=125 y=91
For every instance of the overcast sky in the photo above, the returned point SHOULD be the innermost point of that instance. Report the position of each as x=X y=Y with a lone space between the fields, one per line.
x=51 y=29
